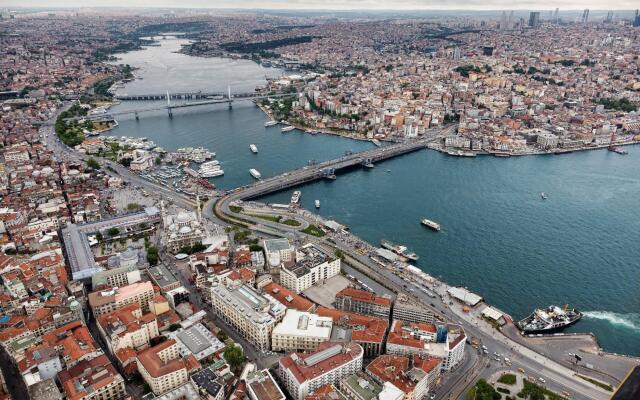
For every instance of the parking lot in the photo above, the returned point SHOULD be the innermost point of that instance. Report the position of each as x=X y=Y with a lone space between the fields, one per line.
x=325 y=294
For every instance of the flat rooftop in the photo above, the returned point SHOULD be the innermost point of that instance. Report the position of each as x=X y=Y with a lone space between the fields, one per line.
x=298 y=323
x=162 y=276
x=263 y=386
x=245 y=300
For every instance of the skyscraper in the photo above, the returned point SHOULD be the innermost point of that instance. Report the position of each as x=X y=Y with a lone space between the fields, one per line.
x=503 y=21
x=534 y=19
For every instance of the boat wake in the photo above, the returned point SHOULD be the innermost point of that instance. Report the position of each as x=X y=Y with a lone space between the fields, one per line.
x=630 y=321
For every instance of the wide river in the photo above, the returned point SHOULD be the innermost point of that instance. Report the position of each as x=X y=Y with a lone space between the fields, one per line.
x=581 y=246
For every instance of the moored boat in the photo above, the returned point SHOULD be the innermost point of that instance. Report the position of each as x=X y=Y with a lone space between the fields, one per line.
x=253 y=147
x=317 y=202
x=551 y=319
x=287 y=128
x=295 y=197
x=271 y=123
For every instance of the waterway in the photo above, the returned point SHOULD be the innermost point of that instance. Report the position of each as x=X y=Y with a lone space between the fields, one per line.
x=499 y=238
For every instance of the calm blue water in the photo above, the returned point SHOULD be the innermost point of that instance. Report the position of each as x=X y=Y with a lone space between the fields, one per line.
x=499 y=237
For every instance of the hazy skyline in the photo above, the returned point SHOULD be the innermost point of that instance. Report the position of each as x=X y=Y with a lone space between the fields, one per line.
x=338 y=5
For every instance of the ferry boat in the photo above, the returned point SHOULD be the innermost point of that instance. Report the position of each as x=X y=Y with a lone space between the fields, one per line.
x=317 y=202
x=431 y=224
x=254 y=172
x=271 y=123
x=253 y=147
x=399 y=250
x=295 y=198
x=287 y=128
x=549 y=320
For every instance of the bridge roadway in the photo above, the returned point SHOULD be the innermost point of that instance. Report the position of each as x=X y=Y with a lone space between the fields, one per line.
x=320 y=171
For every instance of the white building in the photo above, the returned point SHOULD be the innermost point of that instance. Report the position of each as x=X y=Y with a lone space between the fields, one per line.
x=311 y=266
x=182 y=229
x=278 y=251
x=302 y=374
x=300 y=331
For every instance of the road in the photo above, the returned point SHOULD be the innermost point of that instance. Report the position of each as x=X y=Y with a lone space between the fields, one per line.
x=557 y=377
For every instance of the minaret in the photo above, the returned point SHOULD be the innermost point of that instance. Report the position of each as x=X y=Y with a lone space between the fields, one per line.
x=198 y=209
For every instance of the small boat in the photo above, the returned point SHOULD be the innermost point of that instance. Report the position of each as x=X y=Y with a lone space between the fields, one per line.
x=254 y=148
x=295 y=198
x=288 y=128
x=271 y=123
x=431 y=224
x=376 y=142
x=254 y=172
x=387 y=171
x=543 y=195
x=317 y=203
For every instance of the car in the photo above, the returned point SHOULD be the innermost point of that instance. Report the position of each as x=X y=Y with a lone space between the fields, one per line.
x=433 y=396
x=541 y=379
x=432 y=305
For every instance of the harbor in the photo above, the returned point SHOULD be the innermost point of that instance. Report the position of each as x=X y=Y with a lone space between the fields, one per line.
x=484 y=204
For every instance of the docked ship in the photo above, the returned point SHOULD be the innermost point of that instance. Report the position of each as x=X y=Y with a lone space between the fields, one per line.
x=210 y=169
x=253 y=147
x=271 y=123
x=287 y=128
x=295 y=198
x=552 y=319
x=430 y=224
x=399 y=250
x=254 y=172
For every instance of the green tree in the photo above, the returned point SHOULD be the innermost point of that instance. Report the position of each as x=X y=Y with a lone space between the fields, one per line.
x=222 y=336
x=152 y=255
x=174 y=327
x=234 y=356
x=113 y=231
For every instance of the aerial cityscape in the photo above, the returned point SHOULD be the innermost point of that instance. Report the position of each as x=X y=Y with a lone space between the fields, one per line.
x=358 y=200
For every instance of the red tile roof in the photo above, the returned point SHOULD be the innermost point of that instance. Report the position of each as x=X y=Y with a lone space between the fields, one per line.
x=365 y=328
x=288 y=298
x=295 y=362
x=364 y=296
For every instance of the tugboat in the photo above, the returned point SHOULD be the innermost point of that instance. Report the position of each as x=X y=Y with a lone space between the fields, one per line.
x=549 y=320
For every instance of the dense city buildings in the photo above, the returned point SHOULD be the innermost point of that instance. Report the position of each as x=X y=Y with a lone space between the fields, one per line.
x=304 y=373
x=124 y=275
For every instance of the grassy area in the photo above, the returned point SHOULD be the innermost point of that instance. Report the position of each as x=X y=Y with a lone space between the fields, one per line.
x=531 y=391
x=291 y=222
x=605 y=386
x=508 y=379
x=313 y=230
x=235 y=209
x=272 y=218
x=483 y=391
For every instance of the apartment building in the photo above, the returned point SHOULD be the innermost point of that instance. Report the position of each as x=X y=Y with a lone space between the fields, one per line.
x=162 y=367
x=300 y=331
x=363 y=302
x=262 y=386
x=95 y=379
x=407 y=309
x=412 y=375
x=369 y=332
x=311 y=266
x=250 y=312
x=117 y=277
x=107 y=301
x=302 y=373
x=127 y=327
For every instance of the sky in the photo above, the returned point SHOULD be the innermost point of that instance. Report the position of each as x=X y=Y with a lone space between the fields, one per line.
x=339 y=4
